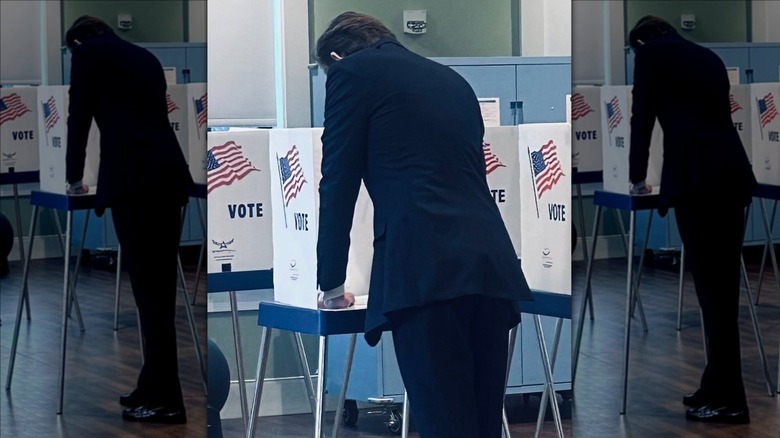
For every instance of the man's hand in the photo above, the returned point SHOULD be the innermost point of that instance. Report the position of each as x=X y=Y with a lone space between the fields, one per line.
x=641 y=189
x=339 y=302
x=78 y=189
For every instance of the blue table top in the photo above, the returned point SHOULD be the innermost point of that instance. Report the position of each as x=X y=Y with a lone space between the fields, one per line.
x=198 y=191
x=241 y=280
x=595 y=176
x=767 y=191
x=625 y=202
x=328 y=322
x=62 y=202
x=20 y=177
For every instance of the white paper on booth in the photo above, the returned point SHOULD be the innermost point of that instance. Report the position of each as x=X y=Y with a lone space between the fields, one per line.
x=491 y=111
x=239 y=198
x=545 y=181
x=19 y=132
x=502 y=165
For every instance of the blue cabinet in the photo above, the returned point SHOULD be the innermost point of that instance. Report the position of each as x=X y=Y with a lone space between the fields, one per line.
x=189 y=59
x=529 y=89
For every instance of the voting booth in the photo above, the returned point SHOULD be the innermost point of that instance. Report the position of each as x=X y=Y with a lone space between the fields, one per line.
x=239 y=197
x=19 y=132
x=765 y=126
x=586 y=130
x=739 y=102
x=502 y=158
x=187 y=112
x=52 y=142
x=616 y=138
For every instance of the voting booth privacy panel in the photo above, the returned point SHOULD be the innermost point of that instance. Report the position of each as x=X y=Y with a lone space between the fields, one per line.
x=765 y=132
x=586 y=111
x=19 y=131
x=239 y=199
x=187 y=112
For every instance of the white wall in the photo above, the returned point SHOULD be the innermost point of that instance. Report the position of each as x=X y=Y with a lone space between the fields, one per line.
x=545 y=27
x=197 y=21
x=599 y=50
x=766 y=21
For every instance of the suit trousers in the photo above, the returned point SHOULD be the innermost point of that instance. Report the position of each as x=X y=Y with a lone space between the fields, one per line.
x=149 y=233
x=453 y=359
x=715 y=263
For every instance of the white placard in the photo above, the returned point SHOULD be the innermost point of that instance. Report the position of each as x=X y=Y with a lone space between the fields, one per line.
x=293 y=196
x=19 y=129
x=197 y=101
x=733 y=74
x=502 y=165
x=415 y=21
x=170 y=75
x=739 y=99
x=491 y=111
x=766 y=132
x=239 y=198
x=545 y=181
x=586 y=129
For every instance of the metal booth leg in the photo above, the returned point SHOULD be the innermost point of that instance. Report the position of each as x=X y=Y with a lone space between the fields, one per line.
x=65 y=306
x=588 y=274
x=118 y=285
x=548 y=375
x=511 y=346
x=681 y=287
x=768 y=248
x=405 y=417
x=584 y=238
x=629 y=301
x=239 y=358
x=322 y=360
x=757 y=330
x=345 y=383
x=20 y=237
x=22 y=298
x=262 y=358
x=550 y=392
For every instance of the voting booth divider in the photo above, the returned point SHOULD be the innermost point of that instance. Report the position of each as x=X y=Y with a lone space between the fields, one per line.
x=19 y=134
x=765 y=132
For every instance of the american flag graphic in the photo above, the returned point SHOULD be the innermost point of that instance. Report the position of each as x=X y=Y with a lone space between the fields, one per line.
x=547 y=168
x=50 y=115
x=226 y=164
x=734 y=104
x=12 y=107
x=491 y=160
x=292 y=174
x=201 y=110
x=171 y=104
x=579 y=107
x=766 y=110
x=613 y=113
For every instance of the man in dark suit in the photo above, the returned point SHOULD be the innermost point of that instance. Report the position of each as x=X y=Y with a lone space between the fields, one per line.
x=706 y=175
x=144 y=179
x=445 y=278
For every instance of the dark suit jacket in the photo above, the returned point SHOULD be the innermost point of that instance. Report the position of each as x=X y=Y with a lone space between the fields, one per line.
x=123 y=87
x=686 y=87
x=412 y=130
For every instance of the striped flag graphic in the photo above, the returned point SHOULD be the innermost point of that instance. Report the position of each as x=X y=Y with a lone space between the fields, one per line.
x=226 y=164
x=12 y=107
x=491 y=160
x=579 y=107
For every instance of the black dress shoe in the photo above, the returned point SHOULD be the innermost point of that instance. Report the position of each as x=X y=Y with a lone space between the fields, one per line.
x=132 y=399
x=695 y=400
x=160 y=414
x=712 y=413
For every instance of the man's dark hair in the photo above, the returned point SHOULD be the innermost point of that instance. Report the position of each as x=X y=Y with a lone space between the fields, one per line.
x=647 y=28
x=84 y=28
x=348 y=33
